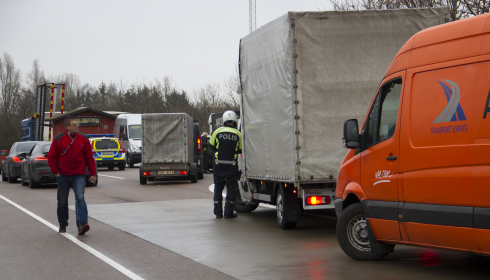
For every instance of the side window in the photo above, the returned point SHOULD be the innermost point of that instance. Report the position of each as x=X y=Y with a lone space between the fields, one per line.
x=382 y=119
x=121 y=131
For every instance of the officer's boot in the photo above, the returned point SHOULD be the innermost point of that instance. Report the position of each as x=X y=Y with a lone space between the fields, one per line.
x=218 y=209
x=229 y=214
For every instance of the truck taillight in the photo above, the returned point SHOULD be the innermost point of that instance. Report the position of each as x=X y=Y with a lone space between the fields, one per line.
x=316 y=200
x=40 y=158
x=198 y=143
x=17 y=159
x=146 y=173
x=183 y=172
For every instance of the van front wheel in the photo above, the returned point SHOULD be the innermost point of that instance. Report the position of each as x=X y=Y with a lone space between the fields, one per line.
x=352 y=234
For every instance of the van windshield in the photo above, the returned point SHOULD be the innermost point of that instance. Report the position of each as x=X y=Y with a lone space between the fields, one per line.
x=134 y=131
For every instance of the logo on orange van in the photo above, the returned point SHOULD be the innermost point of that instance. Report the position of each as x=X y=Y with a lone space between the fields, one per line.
x=452 y=112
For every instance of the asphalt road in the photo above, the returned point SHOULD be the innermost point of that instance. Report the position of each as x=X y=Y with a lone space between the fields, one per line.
x=166 y=230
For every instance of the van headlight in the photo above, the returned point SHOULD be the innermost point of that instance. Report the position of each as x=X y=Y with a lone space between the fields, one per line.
x=134 y=148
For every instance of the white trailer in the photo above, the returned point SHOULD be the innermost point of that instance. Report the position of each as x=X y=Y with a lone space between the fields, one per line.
x=301 y=76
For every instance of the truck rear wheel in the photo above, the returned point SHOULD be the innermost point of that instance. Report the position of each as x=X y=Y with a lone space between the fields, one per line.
x=194 y=178
x=352 y=234
x=280 y=203
x=143 y=180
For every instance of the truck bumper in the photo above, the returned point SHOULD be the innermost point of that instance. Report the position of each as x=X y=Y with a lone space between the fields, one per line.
x=110 y=162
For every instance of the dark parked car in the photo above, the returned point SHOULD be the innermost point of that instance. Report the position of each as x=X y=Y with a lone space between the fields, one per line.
x=11 y=164
x=35 y=170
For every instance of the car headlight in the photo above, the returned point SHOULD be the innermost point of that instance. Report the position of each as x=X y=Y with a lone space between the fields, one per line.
x=134 y=148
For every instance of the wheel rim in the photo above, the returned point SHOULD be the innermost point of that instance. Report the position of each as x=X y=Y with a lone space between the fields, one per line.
x=357 y=233
x=279 y=206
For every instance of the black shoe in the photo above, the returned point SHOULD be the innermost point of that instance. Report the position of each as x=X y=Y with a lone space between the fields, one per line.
x=83 y=228
x=231 y=216
x=219 y=216
x=62 y=228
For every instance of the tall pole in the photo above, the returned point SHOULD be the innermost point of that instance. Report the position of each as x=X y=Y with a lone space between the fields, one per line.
x=253 y=15
x=50 y=110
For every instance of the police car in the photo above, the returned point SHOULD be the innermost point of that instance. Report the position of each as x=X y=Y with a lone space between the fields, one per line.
x=108 y=151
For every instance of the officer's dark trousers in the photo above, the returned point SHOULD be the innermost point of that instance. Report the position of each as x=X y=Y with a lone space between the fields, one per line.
x=231 y=189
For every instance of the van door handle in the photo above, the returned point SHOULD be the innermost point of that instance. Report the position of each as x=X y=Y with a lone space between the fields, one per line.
x=391 y=158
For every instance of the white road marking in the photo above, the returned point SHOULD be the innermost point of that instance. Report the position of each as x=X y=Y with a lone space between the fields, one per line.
x=382 y=181
x=112 y=176
x=91 y=250
x=211 y=188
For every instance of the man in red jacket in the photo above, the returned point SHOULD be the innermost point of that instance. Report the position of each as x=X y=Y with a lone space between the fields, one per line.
x=68 y=156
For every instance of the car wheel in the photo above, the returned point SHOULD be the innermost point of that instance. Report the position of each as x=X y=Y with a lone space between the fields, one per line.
x=122 y=166
x=352 y=234
x=22 y=179
x=33 y=184
x=4 y=178
x=11 y=179
x=110 y=168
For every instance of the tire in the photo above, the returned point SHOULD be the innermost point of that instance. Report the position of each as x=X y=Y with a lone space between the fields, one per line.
x=110 y=168
x=11 y=179
x=194 y=178
x=22 y=179
x=143 y=180
x=130 y=162
x=241 y=207
x=279 y=213
x=4 y=178
x=352 y=234
x=200 y=176
x=122 y=166
x=33 y=184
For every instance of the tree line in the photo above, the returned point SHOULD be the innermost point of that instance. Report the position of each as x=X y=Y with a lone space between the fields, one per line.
x=18 y=97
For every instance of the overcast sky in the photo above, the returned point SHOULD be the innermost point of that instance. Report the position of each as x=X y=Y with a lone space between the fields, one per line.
x=195 y=42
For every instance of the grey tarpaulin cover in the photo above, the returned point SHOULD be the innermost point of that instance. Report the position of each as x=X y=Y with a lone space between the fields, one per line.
x=167 y=138
x=304 y=74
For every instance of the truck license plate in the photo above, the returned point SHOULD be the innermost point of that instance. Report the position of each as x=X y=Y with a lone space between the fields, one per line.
x=168 y=172
x=107 y=153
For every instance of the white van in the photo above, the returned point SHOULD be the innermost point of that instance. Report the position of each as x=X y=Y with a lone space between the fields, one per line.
x=128 y=130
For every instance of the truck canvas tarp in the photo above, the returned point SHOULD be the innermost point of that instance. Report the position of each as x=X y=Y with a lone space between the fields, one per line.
x=167 y=138
x=305 y=73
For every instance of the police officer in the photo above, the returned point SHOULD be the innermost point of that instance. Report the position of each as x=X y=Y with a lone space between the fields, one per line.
x=227 y=141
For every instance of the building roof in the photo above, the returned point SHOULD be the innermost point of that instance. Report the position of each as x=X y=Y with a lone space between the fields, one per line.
x=78 y=111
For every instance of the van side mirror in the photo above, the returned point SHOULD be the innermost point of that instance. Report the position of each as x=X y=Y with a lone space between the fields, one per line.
x=124 y=137
x=351 y=134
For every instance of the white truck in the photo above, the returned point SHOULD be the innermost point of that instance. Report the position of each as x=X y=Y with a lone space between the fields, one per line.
x=169 y=148
x=301 y=76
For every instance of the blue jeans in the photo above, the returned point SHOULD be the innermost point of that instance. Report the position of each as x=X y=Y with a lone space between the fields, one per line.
x=77 y=183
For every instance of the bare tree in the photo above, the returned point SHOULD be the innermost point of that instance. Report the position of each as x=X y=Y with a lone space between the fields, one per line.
x=10 y=85
x=36 y=77
x=458 y=9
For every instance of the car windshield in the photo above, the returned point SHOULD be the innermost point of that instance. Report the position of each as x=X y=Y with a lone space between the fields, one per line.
x=135 y=131
x=106 y=144
x=46 y=147
x=24 y=148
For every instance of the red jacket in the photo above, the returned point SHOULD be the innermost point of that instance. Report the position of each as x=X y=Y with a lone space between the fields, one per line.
x=69 y=158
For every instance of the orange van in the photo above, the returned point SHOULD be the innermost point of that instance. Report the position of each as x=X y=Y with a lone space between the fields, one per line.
x=418 y=173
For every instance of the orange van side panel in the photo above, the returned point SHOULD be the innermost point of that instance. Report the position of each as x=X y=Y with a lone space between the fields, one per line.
x=435 y=152
x=442 y=236
x=483 y=237
x=481 y=149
